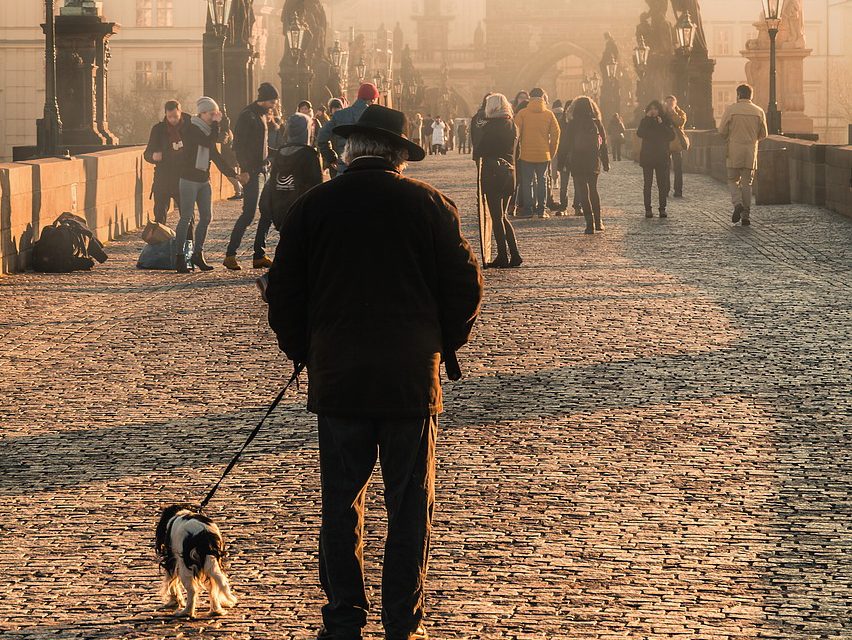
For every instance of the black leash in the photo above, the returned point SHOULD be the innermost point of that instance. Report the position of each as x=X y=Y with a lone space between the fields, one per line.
x=294 y=378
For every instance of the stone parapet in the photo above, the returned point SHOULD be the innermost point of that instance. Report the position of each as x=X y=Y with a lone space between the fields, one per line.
x=789 y=169
x=110 y=189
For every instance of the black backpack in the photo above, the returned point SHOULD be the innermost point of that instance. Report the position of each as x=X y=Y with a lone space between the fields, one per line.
x=67 y=245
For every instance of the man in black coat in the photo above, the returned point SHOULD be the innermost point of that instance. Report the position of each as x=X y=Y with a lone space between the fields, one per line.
x=372 y=286
x=165 y=152
x=251 y=146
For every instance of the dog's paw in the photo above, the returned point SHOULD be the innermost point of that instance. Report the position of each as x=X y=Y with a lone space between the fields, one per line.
x=174 y=603
x=217 y=613
x=184 y=614
x=230 y=602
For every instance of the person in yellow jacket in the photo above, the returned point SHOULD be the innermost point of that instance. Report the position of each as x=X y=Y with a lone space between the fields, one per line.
x=679 y=144
x=538 y=136
x=743 y=126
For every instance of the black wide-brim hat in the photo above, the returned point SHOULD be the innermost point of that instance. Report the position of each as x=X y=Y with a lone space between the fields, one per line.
x=387 y=123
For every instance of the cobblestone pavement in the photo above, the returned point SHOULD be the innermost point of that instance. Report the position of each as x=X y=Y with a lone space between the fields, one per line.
x=652 y=439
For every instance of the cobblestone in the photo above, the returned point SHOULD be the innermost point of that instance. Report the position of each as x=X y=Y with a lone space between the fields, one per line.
x=652 y=439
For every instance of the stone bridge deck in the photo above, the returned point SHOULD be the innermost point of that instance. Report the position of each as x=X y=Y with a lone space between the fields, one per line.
x=652 y=439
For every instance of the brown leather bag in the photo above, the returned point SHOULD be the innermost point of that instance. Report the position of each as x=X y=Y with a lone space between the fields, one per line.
x=155 y=233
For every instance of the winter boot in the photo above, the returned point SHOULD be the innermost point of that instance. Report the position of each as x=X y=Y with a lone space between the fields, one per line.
x=180 y=264
x=199 y=261
x=231 y=263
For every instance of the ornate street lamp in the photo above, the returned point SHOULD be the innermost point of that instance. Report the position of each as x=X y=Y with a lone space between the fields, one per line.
x=361 y=70
x=220 y=16
x=640 y=57
x=685 y=33
x=585 y=85
x=51 y=125
x=379 y=81
x=595 y=85
x=772 y=10
x=397 y=93
x=295 y=37
x=336 y=55
x=612 y=68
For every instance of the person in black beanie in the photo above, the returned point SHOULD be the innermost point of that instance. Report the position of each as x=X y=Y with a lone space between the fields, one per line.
x=251 y=145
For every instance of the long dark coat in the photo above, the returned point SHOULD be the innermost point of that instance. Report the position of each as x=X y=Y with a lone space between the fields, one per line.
x=372 y=282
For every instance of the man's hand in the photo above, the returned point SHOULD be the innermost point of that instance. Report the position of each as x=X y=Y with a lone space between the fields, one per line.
x=157 y=156
x=243 y=178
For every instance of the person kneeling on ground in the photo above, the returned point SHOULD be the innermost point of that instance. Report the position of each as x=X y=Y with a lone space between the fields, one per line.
x=372 y=285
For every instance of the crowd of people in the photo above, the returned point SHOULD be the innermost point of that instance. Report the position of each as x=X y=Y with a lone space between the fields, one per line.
x=373 y=286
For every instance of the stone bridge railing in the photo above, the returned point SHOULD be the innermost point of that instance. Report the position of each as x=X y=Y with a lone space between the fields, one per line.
x=789 y=170
x=110 y=189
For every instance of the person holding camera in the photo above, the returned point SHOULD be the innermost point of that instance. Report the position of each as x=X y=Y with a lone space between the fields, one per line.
x=656 y=133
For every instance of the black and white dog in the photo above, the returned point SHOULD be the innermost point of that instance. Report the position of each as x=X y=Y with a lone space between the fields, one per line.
x=191 y=551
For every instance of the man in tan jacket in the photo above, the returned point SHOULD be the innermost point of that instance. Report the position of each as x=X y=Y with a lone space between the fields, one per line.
x=538 y=137
x=742 y=127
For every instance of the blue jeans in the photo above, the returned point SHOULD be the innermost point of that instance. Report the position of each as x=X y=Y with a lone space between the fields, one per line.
x=534 y=185
x=192 y=193
x=251 y=197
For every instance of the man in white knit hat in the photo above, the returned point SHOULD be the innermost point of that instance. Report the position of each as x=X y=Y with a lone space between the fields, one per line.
x=199 y=151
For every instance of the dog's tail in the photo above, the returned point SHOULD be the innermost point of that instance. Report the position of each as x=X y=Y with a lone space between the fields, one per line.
x=197 y=548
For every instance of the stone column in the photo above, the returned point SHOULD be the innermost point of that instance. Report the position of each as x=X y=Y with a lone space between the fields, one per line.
x=82 y=43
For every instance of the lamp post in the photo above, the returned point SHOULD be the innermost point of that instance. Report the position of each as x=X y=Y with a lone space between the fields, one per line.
x=585 y=85
x=640 y=64
x=214 y=45
x=304 y=74
x=772 y=11
x=51 y=125
x=684 y=36
x=595 y=86
x=361 y=70
x=397 y=94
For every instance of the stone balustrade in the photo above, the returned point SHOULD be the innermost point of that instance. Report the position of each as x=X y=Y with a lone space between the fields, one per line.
x=110 y=189
x=789 y=170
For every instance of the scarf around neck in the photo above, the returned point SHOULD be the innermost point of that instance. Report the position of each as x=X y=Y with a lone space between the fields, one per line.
x=202 y=157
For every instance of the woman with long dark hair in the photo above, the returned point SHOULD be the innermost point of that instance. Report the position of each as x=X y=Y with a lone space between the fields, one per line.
x=656 y=133
x=586 y=147
x=496 y=147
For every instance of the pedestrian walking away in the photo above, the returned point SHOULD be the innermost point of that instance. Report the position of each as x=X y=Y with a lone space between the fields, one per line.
x=251 y=144
x=563 y=162
x=617 y=132
x=295 y=170
x=165 y=152
x=587 y=146
x=742 y=127
x=496 y=151
x=331 y=146
x=655 y=133
x=538 y=140
x=677 y=117
x=200 y=139
x=372 y=292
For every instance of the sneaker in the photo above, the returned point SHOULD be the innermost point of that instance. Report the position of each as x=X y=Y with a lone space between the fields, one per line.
x=261 y=263
x=232 y=264
x=738 y=212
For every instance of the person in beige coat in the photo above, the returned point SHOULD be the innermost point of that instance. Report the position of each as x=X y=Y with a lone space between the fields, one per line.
x=677 y=116
x=742 y=127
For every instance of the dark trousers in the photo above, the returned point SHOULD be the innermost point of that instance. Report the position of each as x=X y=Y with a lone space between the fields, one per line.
x=677 y=167
x=163 y=196
x=616 y=150
x=586 y=192
x=251 y=197
x=564 y=178
x=349 y=448
x=662 y=173
x=498 y=205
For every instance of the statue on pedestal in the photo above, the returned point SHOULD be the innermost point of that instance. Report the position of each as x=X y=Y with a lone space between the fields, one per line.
x=311 y=76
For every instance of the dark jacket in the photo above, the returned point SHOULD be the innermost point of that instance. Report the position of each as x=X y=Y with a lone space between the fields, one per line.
x=616 y=129
x=251 y=138
x=166 y=171
x=296 y=170
x=193 y=138
x=656 y=138
x=578 y=130
x=477 y=124
x=330 y=145
x=372 y=282
x=498 y=138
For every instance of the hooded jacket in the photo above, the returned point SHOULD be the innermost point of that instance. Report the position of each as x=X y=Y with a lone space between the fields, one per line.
x=331 y=146
x=372 y=282
x=742 y=127
x=295 y=171
x=538 y=131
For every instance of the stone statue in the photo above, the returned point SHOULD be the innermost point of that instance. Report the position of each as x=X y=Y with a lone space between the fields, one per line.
x=311 y=14
x=644 y=33
x=660 y=40
x=791 y=33
x=241 y=30
x=699 y=43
